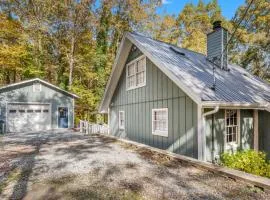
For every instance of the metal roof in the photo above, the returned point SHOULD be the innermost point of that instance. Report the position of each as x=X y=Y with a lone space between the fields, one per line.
x=10 y=86
x=194 y=71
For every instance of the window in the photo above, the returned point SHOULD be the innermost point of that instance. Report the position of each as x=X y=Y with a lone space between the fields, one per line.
x=46 y=111
x=30 y=111
x=63 y=112
x=22 y=111
x=12 y=111
x=136 y=73
x=38 y=111
x=37 y=87
x=160 y=122
x=121 y=120
x=232 y=126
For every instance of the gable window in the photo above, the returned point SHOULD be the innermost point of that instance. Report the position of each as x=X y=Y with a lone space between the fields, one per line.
x=136 y=73
x=232 y=126
x=121 y=120
x=160 y=122
x=36 y=87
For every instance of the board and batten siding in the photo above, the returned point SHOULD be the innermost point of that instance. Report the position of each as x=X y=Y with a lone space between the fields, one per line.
x=264 y=132
x=24 y=94
x=215 y=133
x=159 y=92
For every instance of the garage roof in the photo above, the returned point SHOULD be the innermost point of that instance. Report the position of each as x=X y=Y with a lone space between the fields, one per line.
x=10 y=86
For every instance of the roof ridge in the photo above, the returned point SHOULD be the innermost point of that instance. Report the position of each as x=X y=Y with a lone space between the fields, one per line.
x=40 y=80
x=149 y=37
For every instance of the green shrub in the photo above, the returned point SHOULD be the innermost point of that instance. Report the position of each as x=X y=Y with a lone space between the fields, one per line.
x=249 y=161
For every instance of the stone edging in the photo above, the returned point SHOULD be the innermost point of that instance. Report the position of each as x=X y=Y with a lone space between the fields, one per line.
x=257 y=181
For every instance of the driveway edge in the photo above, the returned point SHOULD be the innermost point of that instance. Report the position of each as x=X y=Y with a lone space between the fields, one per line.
x=257 y=181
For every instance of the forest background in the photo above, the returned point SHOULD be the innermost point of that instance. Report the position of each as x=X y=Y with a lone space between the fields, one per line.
x=73 y=43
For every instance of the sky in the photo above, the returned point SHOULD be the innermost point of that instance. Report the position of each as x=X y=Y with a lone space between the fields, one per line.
x=228 y=7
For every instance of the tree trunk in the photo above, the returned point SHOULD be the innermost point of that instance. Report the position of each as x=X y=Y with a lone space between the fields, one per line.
x=71 y=62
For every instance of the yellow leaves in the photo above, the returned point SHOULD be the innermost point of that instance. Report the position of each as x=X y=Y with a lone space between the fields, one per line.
x=195 y=42
x=12 y=48
x=11 y=56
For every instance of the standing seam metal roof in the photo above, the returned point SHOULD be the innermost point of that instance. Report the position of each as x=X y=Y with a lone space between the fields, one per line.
x=194 y=71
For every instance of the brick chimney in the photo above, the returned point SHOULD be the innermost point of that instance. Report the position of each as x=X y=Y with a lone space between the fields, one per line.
x=216 y=44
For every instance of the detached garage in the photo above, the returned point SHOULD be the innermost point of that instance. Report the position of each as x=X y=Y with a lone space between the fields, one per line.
x=35 y=105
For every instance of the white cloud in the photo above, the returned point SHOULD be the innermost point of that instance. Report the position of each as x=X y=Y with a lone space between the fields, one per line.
x=165 y=2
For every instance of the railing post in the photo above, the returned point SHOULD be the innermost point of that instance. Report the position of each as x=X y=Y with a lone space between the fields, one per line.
x=81 y=126
x=85 y=127
x=90 y=128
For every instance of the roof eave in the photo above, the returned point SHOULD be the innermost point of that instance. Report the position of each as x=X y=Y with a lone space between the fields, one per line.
x=42 y=81
x=240 y=105
x=124 y=47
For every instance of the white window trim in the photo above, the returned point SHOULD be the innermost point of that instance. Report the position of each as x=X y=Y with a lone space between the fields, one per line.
x=35 y=89
x=130 y=63
x=160 y=133
x=232 y=145
x=119 y=120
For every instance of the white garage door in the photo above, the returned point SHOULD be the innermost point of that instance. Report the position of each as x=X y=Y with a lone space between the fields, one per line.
x=28 y=117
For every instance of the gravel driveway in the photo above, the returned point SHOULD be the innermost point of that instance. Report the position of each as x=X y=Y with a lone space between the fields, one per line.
x=66 y=165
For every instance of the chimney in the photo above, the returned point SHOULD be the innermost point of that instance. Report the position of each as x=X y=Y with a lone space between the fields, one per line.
x=216 y=44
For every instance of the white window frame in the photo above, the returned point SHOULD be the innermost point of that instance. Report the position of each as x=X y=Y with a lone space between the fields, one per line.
x=135 y=61
x=121 y=127
x=37 y=87
x=159 y=132
x=233 y=144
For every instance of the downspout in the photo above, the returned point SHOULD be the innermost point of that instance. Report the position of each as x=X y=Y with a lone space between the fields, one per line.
x=216 y=109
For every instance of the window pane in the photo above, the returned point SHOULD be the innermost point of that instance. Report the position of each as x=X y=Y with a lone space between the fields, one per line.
x=131 y=69
x=140 y=78
x=131 y=81
x=234 y=137
x=140 y=66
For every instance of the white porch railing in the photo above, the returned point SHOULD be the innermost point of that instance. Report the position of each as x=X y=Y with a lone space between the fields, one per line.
x=89 y=128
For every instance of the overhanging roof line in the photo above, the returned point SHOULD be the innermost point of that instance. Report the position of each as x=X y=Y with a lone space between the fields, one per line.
x=264 y=106
x=39 y=80
x=115 y=74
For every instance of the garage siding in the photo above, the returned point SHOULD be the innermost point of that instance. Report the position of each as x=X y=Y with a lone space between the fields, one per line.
x=159 y=92
x=24 y=94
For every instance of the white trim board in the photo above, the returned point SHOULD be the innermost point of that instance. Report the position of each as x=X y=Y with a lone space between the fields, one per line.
x=41 y=81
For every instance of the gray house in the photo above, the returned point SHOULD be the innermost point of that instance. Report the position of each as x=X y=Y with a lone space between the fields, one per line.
x=185 y=102
x=35 y=105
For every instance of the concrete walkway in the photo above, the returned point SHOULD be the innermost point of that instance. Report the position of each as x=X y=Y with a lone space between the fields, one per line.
x=63 y=164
